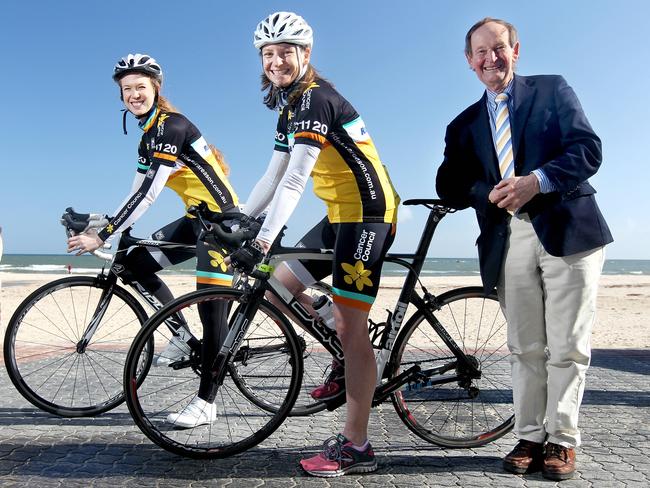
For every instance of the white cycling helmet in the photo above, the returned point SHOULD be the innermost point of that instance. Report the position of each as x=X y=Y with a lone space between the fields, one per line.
x=283 y=27
x=138 y=63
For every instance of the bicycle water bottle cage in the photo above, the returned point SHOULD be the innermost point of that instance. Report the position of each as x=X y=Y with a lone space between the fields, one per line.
x=376 y=331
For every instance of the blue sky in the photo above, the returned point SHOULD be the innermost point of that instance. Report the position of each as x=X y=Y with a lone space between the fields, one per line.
x=401 y=65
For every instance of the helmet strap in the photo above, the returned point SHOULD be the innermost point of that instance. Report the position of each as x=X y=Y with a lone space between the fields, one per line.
x=141 y=118
x=124 y=112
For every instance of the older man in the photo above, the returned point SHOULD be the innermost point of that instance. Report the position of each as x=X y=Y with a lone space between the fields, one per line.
x=521 y=157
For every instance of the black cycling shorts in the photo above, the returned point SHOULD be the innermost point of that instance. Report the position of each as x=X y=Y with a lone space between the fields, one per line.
x=359 y=251
x=210 y=268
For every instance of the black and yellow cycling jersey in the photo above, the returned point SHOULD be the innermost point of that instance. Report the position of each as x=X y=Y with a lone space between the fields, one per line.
x=348 y=175
x=171 y=139
x=173 y=153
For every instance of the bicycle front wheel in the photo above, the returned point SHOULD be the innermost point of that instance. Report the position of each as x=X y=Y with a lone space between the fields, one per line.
x=445 y=403
x=261 y=383
x=45 y=354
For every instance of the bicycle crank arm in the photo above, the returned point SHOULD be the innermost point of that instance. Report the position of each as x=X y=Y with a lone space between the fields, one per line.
x=419 y=384
x=384 y=390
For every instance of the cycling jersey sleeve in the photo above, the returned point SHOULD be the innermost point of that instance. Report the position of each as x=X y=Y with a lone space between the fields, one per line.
x=171 y=132
x=291 y=186
x=313 y=119
x=263 y=191
x=146 y=188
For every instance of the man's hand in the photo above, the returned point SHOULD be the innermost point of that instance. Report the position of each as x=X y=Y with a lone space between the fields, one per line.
x=84 y=243
x=248 y=256
x=514 y=193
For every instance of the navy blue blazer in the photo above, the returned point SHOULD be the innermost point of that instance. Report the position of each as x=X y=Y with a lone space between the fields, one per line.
x=549 y=131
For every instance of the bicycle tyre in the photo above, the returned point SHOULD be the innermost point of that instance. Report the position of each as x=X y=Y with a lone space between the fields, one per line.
x=464 y=412
x=316 y=363
x=40 y=347
x=241 y=423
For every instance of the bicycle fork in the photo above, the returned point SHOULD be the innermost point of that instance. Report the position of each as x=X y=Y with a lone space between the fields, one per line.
x=98 y=315
x=233 y=341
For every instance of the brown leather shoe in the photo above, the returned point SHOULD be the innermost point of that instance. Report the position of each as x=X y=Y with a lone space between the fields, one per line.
x=559 y=462
x=526 y=457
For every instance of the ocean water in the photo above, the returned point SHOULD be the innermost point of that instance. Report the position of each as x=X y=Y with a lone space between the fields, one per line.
x=58 y=264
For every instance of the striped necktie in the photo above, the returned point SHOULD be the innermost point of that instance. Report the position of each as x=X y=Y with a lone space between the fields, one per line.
x=503 y=137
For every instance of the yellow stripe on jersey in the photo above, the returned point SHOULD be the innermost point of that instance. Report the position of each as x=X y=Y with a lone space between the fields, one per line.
x=213 y=281
x=311 y=135
x=168 y=157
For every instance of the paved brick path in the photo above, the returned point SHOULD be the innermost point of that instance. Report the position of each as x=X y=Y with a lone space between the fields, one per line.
x=40 y=450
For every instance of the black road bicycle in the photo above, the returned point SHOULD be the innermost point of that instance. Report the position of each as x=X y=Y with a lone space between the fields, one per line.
x=66 y=343
x=446 y=370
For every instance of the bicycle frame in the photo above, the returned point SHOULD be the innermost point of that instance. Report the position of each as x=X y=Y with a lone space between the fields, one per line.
x=328 y=338
x=115 y=271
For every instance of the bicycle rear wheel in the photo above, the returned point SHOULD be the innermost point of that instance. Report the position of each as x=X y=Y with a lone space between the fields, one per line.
x=42 y=350
x=260 y=387
x=458 y=410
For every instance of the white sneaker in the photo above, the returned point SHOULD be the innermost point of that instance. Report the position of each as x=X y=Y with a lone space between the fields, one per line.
x=176 y=350
x=197 y=412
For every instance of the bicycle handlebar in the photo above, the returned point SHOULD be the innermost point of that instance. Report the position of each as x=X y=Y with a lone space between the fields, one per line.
x=77 y=223
x=228 y=229
x=81 y=222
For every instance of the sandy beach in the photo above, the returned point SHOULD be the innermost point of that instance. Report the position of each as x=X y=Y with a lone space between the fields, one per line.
x=622 y=321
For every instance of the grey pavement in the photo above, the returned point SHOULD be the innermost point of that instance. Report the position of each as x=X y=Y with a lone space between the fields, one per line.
x=41 y=450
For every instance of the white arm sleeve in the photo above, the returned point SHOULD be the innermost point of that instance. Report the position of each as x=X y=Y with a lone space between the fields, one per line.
x=137 y=182
x=303 y=158
x=263 y=191
x=142 y=202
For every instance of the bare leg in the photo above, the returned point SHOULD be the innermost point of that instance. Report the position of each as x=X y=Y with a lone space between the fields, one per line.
x=360 y=370
x=360 y=367
x=295 y=287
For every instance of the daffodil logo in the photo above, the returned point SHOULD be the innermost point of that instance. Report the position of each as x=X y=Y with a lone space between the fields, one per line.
x=217 y=262
x=357 y=274
x=109 y=228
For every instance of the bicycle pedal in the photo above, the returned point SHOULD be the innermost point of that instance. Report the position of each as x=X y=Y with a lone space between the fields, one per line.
x=336 y=401
x=180 y=364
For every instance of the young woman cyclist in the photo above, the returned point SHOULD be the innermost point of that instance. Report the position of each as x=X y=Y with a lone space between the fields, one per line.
x=321 y=134
x=172 y=153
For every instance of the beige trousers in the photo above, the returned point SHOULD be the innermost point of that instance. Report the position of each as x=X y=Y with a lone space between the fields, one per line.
x=550 y=305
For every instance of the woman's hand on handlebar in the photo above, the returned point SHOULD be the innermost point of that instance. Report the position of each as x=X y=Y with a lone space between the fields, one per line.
x=248 y=256
x=84 y=243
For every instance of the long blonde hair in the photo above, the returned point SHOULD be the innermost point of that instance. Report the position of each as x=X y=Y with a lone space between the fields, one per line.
x=163 y=103
x=221 y=160
x=308 y=78
x=166 y=106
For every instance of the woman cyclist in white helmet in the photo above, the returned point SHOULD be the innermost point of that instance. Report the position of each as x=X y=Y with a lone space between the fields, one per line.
x=320 y=134
x=172 y=153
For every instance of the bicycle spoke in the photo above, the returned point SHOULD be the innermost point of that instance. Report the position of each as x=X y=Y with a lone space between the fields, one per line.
x=254 y=397
x=460 y=408
x=50 y=367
